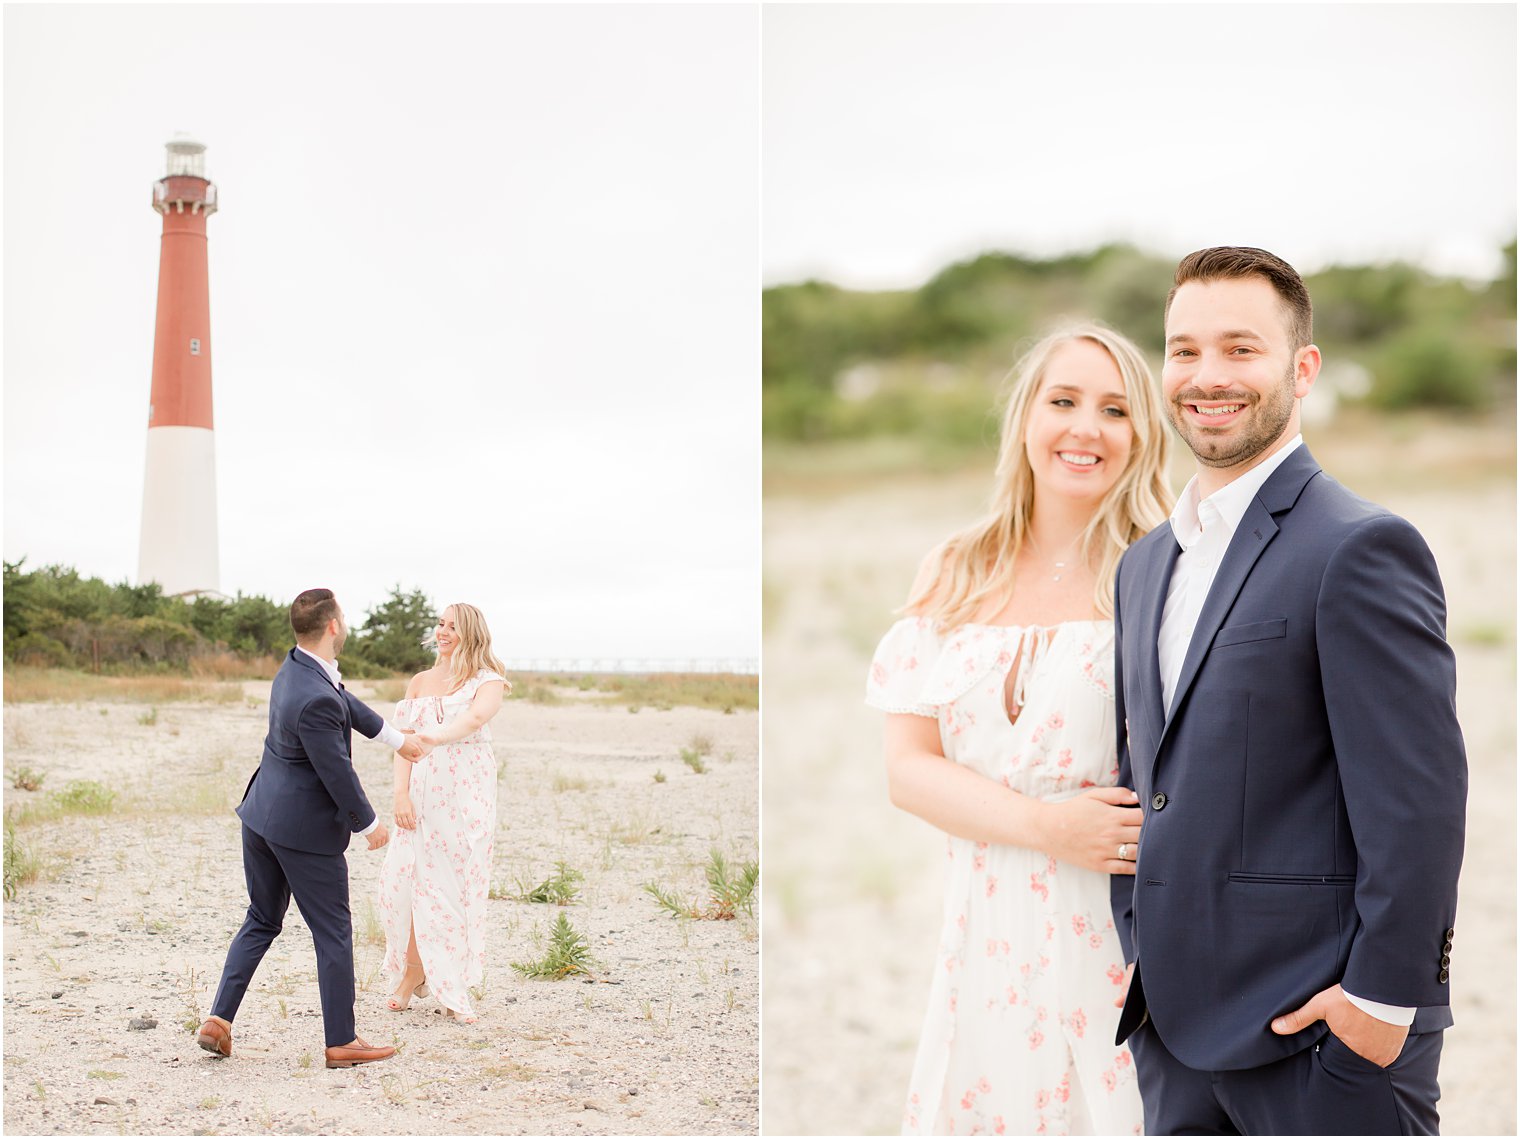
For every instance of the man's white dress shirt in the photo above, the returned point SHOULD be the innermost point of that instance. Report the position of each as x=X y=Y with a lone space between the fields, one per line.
x=1204 y=529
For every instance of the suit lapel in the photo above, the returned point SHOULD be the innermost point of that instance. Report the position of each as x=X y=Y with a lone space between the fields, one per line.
x=1156 y=578
x=1254 y=534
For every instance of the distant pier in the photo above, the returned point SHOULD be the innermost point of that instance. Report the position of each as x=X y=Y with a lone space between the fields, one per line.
x=739 y=666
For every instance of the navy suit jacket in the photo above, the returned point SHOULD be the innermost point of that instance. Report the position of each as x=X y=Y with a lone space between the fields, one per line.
x=305 y=793
x=1304 y=801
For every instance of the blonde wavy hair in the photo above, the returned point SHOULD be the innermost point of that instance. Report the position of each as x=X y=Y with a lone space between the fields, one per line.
x=976 y=564
x=472 y=650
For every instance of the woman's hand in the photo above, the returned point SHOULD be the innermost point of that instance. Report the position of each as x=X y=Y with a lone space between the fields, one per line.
x=1088 y=830
x=406 y=814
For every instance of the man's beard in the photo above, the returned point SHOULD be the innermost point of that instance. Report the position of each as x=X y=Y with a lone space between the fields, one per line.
x=338 y=641
x=1268 y=417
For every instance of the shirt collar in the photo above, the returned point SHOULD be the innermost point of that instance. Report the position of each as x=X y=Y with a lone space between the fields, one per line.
x=329 y=667
x=1229 y=502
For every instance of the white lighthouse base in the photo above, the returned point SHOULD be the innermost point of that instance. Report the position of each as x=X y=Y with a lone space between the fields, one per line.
x=179 y=544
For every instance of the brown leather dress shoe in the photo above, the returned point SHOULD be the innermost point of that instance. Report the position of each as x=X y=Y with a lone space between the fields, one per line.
x=347 y=1055
x=215 y=1036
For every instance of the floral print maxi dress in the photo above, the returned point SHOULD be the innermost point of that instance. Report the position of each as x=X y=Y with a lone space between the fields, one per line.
x=439 y=875
x=1019 y=1034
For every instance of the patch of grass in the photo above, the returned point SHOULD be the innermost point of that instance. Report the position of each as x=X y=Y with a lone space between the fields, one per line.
x=718 y=690
x=189 y=992
x=1487 y=634
x=370 y=931
x=567 y=955
x=659 y=777
x=149 y=718
x=67 y=686
x=701 y=743
x=664 y=690
x=194 y=796
x=83 y=797
x=212 y=1101
x=98 y=1074
x=27 y=779
x=728 y=892
x=387 y=691
x=639 y=827
x=559 y=889
x=694 y=761
x=22 y=864
x=230 y=666
x=569 y=782
x=536 y=690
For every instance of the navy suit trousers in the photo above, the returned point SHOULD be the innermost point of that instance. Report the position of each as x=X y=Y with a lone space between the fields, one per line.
x=319 y=883
x=1326 y=1089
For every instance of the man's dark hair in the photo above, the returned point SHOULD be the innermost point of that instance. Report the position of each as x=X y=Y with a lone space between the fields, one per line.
x=1231 y=262
x=311 y=611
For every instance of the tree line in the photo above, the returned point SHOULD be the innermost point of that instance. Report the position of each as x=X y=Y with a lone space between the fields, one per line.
x=55 y=618
x=840 y=363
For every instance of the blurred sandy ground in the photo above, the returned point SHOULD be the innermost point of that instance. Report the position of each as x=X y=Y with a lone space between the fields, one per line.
x=851 y=892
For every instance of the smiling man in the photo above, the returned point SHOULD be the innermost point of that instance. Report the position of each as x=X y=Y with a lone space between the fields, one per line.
x=1286 y=712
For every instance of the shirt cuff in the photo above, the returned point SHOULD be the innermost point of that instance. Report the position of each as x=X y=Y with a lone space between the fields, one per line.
x=390 y=737
x=1390 y=1014
x=376 y=822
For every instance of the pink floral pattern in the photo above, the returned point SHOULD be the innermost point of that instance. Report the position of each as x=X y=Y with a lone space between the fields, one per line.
x=439 y=875
x=1018 y=1038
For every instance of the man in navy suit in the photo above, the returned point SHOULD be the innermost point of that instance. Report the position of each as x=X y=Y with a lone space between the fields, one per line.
x=1286 y=712
x=299 y=811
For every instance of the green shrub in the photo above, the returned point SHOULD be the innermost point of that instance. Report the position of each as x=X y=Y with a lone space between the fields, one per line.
x=1431 y=367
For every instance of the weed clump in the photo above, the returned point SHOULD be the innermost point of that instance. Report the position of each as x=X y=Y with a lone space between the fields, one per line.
x=728 y=892
x=559 y=889
x=567 y=955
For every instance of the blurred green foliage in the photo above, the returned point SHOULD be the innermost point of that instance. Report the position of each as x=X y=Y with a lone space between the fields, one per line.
x=841 y=364
x=391 y=638
x=55 y=618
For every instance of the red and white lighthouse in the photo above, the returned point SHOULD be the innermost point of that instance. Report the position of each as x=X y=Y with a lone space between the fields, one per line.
x=179 y=543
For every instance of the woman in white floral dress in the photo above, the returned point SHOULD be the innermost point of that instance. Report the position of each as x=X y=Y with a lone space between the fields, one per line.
x=437 y=872
x=1000 y=731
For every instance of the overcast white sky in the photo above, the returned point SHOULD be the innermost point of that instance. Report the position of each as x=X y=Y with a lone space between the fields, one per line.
x=483 y=298
x=901 y=138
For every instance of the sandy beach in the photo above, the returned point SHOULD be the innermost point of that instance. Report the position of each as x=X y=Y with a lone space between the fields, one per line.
x=112 y=956
x=852 y=894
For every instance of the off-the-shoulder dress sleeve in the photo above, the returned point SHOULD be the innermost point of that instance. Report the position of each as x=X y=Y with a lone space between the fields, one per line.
x=902 y=666
x=484 y=676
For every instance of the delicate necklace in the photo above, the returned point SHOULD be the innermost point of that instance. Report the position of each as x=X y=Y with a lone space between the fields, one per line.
x=1059 y=567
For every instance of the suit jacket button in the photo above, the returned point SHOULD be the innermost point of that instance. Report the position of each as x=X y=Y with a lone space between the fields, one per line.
x=1446 y=948
x=1445 y=960
x=1443 y=976
x=1158 y=801
x=1450 y=933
